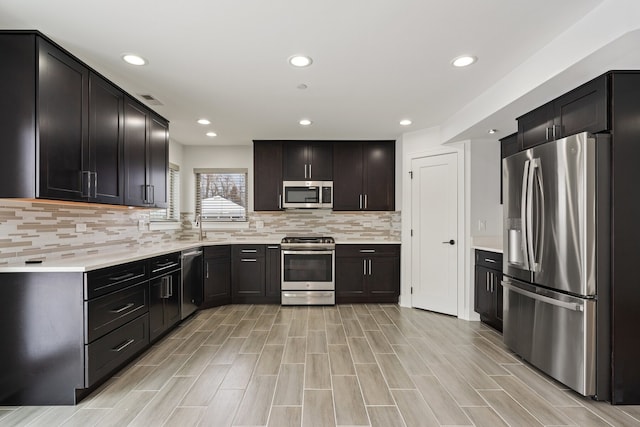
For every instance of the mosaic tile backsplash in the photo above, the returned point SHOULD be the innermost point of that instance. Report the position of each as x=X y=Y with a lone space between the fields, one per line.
x=46 y=230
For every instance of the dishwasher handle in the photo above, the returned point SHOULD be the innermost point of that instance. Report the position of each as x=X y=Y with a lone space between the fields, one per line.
x=191 y=254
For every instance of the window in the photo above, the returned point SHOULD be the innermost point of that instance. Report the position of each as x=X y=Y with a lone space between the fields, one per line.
x=221 y=194
x=172 y=212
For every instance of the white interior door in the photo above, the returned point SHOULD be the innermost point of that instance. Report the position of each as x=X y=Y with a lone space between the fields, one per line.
x=434 y=217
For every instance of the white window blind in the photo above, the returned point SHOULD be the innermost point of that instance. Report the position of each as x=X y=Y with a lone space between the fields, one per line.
x=172 y=212
x=221 y=194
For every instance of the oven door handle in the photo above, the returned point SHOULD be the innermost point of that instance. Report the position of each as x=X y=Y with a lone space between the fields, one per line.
x=318 y=252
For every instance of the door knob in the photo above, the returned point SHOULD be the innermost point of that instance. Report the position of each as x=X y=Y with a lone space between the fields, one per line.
x=450 y=242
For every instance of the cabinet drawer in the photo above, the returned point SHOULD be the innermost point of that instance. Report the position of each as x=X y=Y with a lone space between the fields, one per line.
x=492 y=260
x=106 y=313
x=164 y=264
x=112 y=350
x=367 y=250
x=248 y=251
x=223 y=251
x=107 y=280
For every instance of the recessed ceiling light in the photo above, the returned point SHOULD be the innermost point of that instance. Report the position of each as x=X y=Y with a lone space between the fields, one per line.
x=211 y=134
x=305 y=122
x=204 y=121
x=300 y=61
x=133 y=59
x=463 y=61
x=405 y=122
x=492 y=131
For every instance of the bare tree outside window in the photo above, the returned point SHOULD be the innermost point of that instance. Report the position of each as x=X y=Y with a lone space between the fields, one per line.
x=221 y=194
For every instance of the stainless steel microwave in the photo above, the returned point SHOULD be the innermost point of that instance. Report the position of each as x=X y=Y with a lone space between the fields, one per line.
x=307 y=194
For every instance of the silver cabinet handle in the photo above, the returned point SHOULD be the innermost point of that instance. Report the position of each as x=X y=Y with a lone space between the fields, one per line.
x=360 y=202
x=547 y=132
x=170 y=286
x=491 y=282
x=95 y=184
x=279 y=201
x=273 y=247
x=124 y=345
x=486 y=277
x=249 y=251
x=369 y=267
x=367 y=251
x=493 y=261
x=305 y=170
x=248 y=260
x=206 y=269
x=123 y=308
x=366 y=201
x=310 y=175
x=364 y=267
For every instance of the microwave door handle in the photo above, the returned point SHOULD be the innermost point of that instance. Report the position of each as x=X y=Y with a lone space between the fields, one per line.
x=523 y=213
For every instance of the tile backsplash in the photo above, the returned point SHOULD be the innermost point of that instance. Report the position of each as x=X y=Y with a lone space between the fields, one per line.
x=47 y=230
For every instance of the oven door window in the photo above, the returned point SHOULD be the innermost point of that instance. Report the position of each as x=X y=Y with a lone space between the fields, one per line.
x=302 y=195
x=308 y=268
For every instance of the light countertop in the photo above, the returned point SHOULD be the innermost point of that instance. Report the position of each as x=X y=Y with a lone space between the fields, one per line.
x=488 y=243
x=111 y=258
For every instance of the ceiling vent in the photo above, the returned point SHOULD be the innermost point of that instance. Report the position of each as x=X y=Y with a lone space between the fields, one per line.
x=149 y=99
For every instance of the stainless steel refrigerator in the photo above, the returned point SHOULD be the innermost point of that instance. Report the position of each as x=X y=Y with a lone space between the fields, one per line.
x=556 y=259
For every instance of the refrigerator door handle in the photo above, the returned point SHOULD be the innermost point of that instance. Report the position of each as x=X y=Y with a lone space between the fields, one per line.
x=538 y=245
x=529 y=215
x=568 y=305
x=523 y=213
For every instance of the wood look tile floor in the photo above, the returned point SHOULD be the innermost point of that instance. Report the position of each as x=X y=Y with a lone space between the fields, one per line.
x=348 y=365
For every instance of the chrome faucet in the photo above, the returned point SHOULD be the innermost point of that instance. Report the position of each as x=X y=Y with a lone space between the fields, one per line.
x=199 y=225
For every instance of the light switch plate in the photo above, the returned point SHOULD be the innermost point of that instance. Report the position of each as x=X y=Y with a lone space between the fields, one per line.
x=141 y=225
x=81 y=228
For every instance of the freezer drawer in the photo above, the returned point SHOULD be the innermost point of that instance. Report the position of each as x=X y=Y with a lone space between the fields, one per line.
x=554 y=332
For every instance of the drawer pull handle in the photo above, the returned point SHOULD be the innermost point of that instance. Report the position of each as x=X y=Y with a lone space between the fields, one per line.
x=165 y=264
x=123 y=345
x=123 y=308
x=249 y=260
x=490 y=260
x=367 y=251
x=273 y=247
x=124 y=276
x=249 y=251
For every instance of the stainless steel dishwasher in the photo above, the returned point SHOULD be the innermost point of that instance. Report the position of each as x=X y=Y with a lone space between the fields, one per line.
x=192 y=281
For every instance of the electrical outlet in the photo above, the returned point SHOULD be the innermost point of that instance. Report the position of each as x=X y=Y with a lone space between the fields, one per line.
x=259 y=224
x=141 y=225
x=482 y=225
x=80 y=228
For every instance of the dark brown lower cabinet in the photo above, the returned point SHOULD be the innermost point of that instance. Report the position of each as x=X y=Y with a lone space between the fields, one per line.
x=164 y=294
x=367 y=273
x=488 y=288
x=248 y=274
x=217 y=276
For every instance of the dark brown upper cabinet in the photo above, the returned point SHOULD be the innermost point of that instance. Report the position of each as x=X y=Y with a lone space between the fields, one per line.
x=307 y=160
x=146 y=156
x=267 y=175
x=364 y=175
x=584 y=109
x=63 y=125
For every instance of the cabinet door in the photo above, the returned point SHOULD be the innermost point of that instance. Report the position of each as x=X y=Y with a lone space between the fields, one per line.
x=584 y=109
x=350 y=273
x=158 y=166
x=508 y=145
x=248 y=276
x=320 y=159
x=483 y=298
x=172 y=302
x=135 y=153
x=383 y=279
x=295 y=161
x=157 y=290
x=106 y=120
x=534 y=128
x=273 y=273
x=267 y=175
x=217 y=280
x=347 y=174
x=62 y=123
x=379 y=175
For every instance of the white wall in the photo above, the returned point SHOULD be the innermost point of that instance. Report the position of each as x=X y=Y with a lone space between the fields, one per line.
x=484 y=189
x=213 y=157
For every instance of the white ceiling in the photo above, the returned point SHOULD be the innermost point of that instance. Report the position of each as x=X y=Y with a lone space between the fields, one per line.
x=375 y=61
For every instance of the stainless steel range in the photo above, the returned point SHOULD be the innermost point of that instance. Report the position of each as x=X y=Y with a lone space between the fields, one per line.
x=308 y=271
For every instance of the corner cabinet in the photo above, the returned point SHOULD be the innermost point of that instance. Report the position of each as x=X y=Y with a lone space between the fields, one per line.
x=267 y=175
x=217 y=276
x=488 y=288
x=146 y=156
x=367 y=273
x=364 y=175
x=64 y=128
